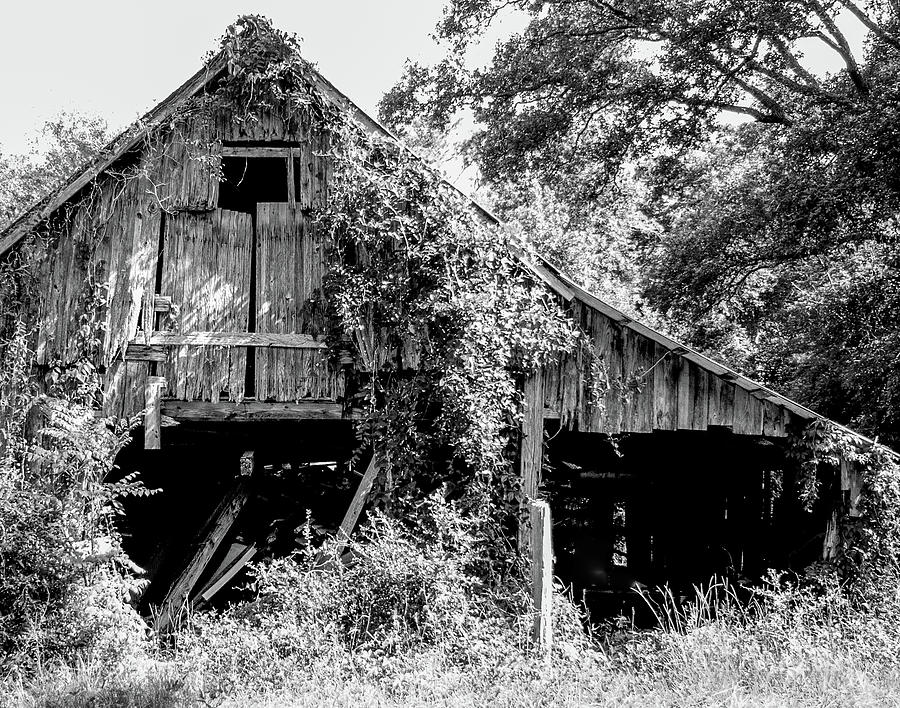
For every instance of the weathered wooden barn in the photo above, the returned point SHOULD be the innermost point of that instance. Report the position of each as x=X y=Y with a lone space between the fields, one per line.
x=205 y=273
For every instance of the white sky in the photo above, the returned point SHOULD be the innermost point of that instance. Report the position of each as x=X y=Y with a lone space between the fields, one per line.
x=117 y=59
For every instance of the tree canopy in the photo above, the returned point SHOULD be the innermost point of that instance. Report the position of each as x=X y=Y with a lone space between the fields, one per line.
x=769 y=187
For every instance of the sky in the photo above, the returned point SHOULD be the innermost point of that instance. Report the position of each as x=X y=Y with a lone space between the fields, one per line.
x=117 y=59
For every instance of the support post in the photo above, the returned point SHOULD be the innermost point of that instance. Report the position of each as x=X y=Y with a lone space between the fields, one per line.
x=152 y=413
x=211 y=538
x=542 y=574
x=531 y=451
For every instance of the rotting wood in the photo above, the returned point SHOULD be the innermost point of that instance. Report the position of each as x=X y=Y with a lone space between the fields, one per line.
x=215 y=531
x=152 y=414
x=542 y=574
x=289 y=275
x=831 y=546
x=532 y=435
x=685 y=410
x=851 y=486
x=250 y=411
x=206 y=272
x=357 y=504
x=291 y=181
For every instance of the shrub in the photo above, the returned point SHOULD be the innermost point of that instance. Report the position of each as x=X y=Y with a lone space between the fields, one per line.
x=65 y=584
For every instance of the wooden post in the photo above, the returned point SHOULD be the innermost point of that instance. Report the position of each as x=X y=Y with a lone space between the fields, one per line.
x=152 y=415
x=531 y=449
x=542 y=574
x=211 y=538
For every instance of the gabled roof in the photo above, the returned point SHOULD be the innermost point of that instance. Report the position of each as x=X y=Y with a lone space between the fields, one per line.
x=557 y=281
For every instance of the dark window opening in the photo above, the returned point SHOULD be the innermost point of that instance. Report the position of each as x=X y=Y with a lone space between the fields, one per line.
x=247 y=181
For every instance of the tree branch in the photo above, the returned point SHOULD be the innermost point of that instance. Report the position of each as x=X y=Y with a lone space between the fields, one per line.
x=841 y=46
x=875 y=28
x=793 y=63
x=805 y=89
x=760 y=116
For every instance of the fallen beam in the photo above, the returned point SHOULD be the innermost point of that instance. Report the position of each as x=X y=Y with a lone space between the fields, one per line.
x=222 y=576
x=250 y=411
x=215 y=531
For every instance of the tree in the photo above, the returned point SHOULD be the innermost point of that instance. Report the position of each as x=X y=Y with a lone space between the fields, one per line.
x=766 y=226
x=67 y=142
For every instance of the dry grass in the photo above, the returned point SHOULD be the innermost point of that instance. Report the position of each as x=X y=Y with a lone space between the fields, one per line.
x=411 y=624
x=800 y=648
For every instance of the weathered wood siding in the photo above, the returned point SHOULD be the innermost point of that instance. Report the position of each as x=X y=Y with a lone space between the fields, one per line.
x=206 y=272
x=159 y=231
x=112 y=240
x=627 y=383
x=290 y=266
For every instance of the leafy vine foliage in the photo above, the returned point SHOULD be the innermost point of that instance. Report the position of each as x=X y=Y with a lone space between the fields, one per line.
x=828 y=456
x=441 y=318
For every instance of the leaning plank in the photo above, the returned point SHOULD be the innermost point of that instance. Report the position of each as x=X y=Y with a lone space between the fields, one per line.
x=357 y=504
x=248 y=411
x=216 y=530
x=227 y=572
x=233 y=339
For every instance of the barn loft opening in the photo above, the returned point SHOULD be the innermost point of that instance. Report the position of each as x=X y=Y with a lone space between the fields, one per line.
x=248 y=181
x=302 y=472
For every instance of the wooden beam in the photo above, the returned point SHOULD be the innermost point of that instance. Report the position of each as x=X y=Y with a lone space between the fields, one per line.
x=357 y=504
x=152 y=412
x=249 y=411
x=162 y=303
x=254 y=151
x=542 y=574
x=228 y=339
x=214 y=532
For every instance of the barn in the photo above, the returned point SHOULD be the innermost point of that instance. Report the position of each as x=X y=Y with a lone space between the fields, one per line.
x=186 y=264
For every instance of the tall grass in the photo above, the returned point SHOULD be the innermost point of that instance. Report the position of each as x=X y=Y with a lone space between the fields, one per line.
x=408 y=622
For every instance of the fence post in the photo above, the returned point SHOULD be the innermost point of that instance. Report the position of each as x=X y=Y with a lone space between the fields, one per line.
x=542 y=574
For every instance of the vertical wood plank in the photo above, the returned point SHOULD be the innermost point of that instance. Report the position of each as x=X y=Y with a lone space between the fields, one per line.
x=152 y=416
x=665 y=389
x=700 y=396
x=531 y=450
x=685 y=414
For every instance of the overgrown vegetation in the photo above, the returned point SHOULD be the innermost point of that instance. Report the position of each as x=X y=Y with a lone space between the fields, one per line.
x=758 y=141
x=431 y=609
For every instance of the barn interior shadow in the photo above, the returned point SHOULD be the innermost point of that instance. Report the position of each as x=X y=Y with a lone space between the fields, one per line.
x=645 y=511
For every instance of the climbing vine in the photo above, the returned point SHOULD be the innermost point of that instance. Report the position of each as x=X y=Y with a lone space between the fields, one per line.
x=424 y=293
x=870 y=538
